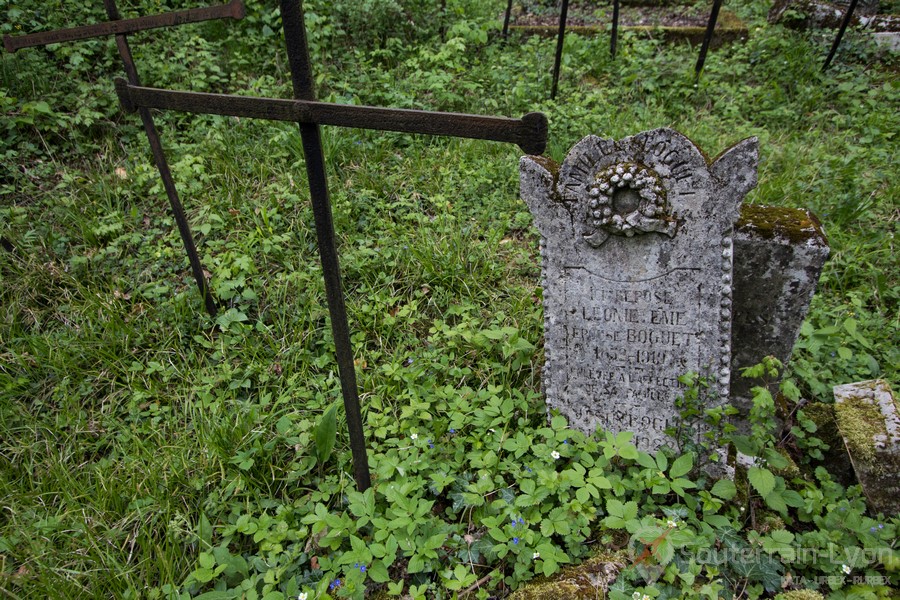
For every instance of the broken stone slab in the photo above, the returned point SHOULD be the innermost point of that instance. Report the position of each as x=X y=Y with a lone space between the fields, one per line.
x=637 y=256
x=778 y=257
x=869 y=422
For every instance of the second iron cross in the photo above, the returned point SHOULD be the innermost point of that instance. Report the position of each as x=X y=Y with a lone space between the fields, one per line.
x=530 y=133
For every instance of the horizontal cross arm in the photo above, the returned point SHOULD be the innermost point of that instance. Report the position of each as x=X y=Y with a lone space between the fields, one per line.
x=233 y=10
x=529 y=132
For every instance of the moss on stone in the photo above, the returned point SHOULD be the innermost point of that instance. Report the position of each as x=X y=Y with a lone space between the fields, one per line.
x=800 y=595
x=793 y=224
x=860 y=421
x=548 y=163
x=587 y=581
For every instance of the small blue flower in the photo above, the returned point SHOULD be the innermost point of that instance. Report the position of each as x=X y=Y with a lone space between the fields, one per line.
x=430 y=444
x=528 y=469
x=334 y=585
x=873 y=529
x=565 y=441
x=881 y=526
x=515 y=540
x=452 y=431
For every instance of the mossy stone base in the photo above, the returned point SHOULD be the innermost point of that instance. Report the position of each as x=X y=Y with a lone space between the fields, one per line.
x=800 y=595
x=869 y=422
x=588 y=581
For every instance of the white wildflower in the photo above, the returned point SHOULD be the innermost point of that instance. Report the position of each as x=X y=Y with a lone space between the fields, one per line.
x=535 y=556
x=414 y=436
x=554 y=454
x=845 y=569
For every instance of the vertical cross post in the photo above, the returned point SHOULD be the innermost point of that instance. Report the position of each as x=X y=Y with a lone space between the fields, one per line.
x=615 y=29
x=707 y=36
x=840 y=34
x=563 y=14
x=303 y=84
x=506 y=19
x=529 y=132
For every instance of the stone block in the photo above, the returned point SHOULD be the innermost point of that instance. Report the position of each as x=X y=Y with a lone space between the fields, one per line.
x=779 y=254
x=869 y=422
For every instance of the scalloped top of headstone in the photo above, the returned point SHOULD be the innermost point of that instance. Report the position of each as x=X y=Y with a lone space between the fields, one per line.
x=637 y=266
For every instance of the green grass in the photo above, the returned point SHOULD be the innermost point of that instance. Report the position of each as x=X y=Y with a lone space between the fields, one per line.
x=136 y=434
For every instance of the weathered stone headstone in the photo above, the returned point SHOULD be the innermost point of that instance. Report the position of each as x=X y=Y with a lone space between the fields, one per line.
x=637 y=252
x=869 y=421
x=778 y=257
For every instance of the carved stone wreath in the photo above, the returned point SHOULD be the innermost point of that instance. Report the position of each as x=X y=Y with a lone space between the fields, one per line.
x=627 y=199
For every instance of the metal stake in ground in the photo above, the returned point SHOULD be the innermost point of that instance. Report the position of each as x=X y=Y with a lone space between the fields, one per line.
x=559 y=46
x=120 y=28
x=506 y=19
x=840 y=34
x=529 y=132
x=615 y=29
x=707 y=37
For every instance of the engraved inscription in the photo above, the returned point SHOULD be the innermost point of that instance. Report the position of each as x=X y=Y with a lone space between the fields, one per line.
x=630 y=341
x=637 y=255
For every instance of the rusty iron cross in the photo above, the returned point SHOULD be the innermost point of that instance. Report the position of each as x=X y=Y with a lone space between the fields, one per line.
x=529 y=132
x=121 y=28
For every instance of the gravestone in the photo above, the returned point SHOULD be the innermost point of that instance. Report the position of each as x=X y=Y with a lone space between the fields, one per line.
x=868 y=419
x=778 y=257
x=637 y=257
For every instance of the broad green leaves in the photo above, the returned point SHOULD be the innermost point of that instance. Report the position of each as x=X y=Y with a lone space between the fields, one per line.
x=326 y=434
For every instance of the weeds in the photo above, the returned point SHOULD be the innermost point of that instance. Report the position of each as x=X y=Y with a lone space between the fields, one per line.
x=150 y=452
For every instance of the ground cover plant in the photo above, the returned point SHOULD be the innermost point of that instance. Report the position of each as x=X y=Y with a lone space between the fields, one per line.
x=149 y=451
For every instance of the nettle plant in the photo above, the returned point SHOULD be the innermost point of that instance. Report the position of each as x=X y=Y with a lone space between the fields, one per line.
x=490 y=495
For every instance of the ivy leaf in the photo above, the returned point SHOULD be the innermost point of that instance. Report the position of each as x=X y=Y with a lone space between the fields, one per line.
x=326 y=434
x=762 y=480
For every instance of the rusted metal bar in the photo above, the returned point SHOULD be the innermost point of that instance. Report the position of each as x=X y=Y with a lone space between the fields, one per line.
x=707 y=37
x=563 y=14
x=529 y=132
x=840 y=34
x=303 y=84
x=162 y=165
x=506 y=19
x=234 y=10
x=614 y=39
